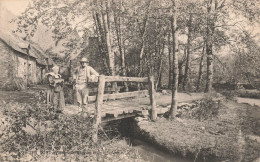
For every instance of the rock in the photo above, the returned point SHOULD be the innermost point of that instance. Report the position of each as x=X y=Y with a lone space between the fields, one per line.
x=186 y=108
x=182 y=104
x=138 y=119
x=164 y=92
x=145 y=112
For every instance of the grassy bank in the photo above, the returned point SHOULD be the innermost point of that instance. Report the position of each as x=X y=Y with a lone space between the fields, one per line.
x=223 y=136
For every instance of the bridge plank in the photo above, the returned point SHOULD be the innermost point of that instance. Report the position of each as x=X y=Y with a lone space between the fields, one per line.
x=125 y=79
x=141 y=93
x=121 y=79
x=107 y=89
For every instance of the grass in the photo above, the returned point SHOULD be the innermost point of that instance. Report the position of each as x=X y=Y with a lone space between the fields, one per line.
x=223 y=137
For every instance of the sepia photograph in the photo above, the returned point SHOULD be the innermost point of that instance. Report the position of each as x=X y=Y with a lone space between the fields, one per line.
x=130 y=80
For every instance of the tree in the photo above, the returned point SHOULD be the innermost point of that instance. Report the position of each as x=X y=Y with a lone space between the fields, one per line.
x=173 y=109
x=108 y=33
x=143 y=34
x=200 y=68
x=170 y=62
x=187 y=67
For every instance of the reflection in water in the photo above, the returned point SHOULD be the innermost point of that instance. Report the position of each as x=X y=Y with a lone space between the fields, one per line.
x=153 y=154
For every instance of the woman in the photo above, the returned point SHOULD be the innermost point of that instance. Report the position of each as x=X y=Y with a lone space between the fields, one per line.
x=55 y=95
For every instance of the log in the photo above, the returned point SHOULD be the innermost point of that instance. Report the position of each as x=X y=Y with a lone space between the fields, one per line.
x=120 y=95
x=152 y=98
x=99 y=103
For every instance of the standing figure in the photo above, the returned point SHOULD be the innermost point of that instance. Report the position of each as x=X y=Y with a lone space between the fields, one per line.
x=55 y=95
x=81 y=76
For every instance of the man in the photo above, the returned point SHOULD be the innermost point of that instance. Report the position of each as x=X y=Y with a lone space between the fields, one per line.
x=82 y=75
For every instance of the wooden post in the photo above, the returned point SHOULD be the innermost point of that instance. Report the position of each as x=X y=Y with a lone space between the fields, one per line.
x=126 y=87
x=99 y=102
x=138 y=86
x=152 y=97
x=114 y=87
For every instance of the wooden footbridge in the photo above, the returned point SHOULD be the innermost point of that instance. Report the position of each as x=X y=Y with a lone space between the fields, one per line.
x=106 y=107
x=122 y=109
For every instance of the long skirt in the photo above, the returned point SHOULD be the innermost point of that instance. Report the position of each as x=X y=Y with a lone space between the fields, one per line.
x=55 y=99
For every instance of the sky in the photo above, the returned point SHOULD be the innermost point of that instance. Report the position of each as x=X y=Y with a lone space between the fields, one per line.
x=15 y=6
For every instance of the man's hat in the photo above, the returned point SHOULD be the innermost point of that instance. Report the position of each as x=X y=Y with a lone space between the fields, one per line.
x=84 y=60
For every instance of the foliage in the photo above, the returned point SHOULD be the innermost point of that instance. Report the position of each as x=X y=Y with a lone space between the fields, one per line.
x=208 y=108
x=247 y=60
x=138 y=32
x=248 y=94
x=14 y=84
x=35 y=132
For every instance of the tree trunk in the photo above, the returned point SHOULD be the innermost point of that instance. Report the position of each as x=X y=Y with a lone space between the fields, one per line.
x=109 y=42
x=180 y=67
x=102 y=42
x=143 y=33
x=117 y=21
x=170 y=62
x=159 y=81
x=200 y=68
x=187 y=67
x=209 y=47
x=173 y=109
x=209 y=79
x=180 y=79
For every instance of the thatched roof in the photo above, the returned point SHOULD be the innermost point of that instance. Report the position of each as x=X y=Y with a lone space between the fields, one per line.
x=22 y=46
x=16 y=44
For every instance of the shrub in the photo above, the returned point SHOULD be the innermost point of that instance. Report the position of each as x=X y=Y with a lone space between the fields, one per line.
x=36 y=128
x=35 y=132
x=249 y=93
x=207 y=109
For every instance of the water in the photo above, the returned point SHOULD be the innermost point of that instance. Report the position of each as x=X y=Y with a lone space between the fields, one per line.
x=249 y=101
x=147 y=151
x=152 y=154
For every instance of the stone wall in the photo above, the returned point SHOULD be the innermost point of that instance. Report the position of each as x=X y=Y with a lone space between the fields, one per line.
x=15 y=66
x=5 y=61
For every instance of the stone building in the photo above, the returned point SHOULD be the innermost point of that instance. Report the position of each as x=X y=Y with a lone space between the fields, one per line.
x=21 y=64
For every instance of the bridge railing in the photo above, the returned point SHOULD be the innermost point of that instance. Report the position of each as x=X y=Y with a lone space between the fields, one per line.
x=101 y=96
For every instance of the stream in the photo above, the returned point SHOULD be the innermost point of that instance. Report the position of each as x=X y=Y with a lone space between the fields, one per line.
x=149 y=152
x=152 y=154
x=250 y=101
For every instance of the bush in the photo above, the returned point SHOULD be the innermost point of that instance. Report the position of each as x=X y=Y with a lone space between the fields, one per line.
x=35 y=132
x=14 y=84
x=207 y=109
x=37 y=129
x=249 y=93
x=230 y=94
